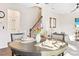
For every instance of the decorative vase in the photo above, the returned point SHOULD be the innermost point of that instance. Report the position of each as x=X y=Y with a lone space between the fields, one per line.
x=38 y=38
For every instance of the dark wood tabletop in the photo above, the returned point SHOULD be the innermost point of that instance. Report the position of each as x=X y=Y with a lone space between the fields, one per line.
x=30 y=48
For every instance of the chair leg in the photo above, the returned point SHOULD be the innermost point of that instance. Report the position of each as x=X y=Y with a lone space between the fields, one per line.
x=12 y=53
x=63 y=54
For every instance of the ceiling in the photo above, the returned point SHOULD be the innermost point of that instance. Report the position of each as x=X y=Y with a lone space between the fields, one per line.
x=63 y=7
x=56 y=7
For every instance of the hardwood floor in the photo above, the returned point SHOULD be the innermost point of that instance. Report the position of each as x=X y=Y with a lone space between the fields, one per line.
x=5 y=52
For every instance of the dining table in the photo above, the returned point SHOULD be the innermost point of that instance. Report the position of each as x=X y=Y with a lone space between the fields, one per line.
x=31 y=48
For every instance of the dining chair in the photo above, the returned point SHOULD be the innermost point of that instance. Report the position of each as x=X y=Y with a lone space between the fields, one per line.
x=16 y=36
x=59 y=36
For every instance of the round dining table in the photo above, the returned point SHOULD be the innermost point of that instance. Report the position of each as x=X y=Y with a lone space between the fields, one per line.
x=29 y=49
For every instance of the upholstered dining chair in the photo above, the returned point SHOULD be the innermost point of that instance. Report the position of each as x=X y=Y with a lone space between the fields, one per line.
x=16 y=36
x=59 y=36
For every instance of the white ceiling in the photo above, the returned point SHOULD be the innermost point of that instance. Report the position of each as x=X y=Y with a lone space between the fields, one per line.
x=55 y=7
x=63 y=7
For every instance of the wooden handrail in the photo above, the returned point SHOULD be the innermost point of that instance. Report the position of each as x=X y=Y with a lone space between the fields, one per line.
x=36 y=22
x=34 y=25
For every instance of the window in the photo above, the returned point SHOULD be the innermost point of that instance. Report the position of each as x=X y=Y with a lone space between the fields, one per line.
x=77 y=22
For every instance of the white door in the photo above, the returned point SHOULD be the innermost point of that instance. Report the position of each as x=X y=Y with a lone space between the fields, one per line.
x=13 y=20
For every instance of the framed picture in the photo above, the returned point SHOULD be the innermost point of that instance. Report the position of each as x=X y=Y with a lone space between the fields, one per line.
x=52 y=22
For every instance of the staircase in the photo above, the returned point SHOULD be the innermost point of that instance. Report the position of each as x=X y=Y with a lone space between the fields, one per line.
x=31 y=31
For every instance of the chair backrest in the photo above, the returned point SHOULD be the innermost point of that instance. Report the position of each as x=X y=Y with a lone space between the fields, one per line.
x=15 y=36
x=58 y=36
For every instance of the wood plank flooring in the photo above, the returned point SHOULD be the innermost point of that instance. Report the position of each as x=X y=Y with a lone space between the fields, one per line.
x=5 y=52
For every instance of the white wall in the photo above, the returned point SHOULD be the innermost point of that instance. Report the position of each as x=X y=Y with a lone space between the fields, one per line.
x=4 y=7
x=28 y=17
x=4 y=34
x=64 y=22
x=67 y=23
x=47 y=13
